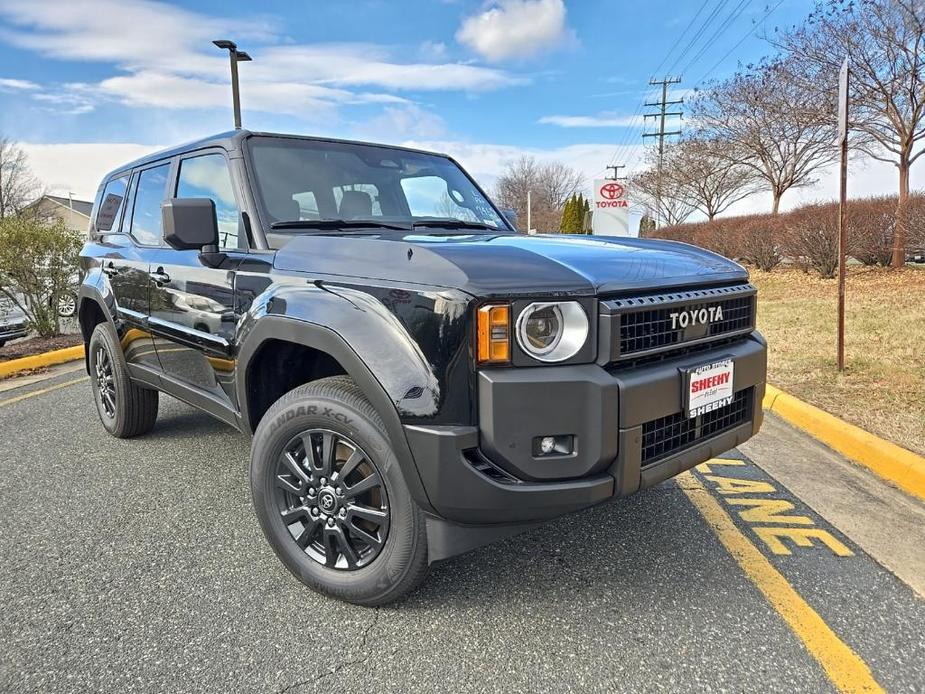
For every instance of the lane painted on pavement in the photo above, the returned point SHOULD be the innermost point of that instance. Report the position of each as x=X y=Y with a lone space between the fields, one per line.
x=858 y=620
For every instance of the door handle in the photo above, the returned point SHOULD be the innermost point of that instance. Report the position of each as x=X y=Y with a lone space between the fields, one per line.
x=110 y=269
x=159 y=277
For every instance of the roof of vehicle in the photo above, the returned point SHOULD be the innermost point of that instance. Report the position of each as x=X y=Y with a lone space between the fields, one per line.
x=231 y=140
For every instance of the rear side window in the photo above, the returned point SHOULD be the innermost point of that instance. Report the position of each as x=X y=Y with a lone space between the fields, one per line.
x=207 y=176
x=111 y=204
x=146 y=215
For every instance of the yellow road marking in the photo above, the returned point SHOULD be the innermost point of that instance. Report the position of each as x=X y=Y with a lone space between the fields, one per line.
x=802 y=537
x=843 y=666
x=768 y=511
x=32 y=394
x=705 y=467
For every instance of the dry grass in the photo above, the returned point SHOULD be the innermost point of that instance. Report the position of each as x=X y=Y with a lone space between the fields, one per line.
x=883 y=387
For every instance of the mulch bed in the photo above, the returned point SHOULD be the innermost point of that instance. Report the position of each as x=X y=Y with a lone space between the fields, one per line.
x=37 y=345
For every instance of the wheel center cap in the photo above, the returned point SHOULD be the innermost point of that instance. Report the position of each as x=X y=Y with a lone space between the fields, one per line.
x=327 y=502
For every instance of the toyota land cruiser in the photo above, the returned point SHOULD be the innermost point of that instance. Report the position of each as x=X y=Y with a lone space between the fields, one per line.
x=419 y=378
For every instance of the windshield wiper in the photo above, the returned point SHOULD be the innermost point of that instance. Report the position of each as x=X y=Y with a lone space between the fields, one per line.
x=450 y=223
x=337 y=224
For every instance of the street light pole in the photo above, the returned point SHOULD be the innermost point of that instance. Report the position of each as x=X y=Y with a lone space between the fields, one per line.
x=235 y=56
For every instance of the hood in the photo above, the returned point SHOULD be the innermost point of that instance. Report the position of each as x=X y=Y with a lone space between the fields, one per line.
x=487 y=265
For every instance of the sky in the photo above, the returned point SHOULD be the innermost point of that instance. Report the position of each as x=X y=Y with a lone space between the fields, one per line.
x=86 y=85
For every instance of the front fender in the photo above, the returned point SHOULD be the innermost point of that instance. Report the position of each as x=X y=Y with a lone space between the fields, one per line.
x=278 y=327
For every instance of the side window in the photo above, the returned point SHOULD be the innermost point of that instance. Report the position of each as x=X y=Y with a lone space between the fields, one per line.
x=146 y=215
x=111 y=204
x=207 y=176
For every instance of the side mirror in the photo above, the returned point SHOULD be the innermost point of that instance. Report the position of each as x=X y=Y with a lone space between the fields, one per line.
x=190 y=223
x=510 y=215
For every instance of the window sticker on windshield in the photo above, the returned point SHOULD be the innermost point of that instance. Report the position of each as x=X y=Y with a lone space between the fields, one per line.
x=108 y=210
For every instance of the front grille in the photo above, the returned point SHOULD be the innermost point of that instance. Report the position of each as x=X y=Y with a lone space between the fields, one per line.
x=644 y=325
x=668 y=435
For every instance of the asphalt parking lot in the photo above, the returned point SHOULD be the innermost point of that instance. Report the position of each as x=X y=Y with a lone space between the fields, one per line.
x=139 y=566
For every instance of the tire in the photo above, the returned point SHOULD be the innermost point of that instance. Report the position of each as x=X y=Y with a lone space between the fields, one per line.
x=332 y=414
x=125 y=409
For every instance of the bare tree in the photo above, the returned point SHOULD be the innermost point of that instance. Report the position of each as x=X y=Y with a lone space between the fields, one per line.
x=773 y=124
x=885 y=43
x=18 y=187
x=660 y=201
x=550 y=185
x=706 y=175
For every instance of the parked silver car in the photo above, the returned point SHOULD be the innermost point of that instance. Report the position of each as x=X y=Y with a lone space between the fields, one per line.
x=13 y=322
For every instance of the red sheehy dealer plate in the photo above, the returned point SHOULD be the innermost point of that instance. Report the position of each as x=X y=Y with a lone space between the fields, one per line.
x=708 y=387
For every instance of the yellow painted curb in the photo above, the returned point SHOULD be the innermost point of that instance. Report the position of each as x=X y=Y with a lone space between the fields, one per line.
x=893 y=463
x=37 y=361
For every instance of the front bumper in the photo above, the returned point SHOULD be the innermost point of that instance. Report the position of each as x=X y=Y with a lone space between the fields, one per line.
x=620 y=419
x=13 y=331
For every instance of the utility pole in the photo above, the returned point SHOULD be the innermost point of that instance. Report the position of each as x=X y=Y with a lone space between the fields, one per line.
x=661 y=133
x=616 y=171
x=236 y=57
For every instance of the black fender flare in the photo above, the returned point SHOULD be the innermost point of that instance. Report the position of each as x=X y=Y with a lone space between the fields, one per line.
x=88 y=292
x=326 y=340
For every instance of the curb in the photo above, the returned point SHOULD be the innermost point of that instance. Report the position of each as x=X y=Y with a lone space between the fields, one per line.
x=893 y=463
x=37 y=361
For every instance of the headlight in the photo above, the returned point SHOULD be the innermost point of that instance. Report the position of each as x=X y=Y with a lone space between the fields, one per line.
x=552 y=331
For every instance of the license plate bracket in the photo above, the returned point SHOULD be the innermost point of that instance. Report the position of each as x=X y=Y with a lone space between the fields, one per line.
x=707 y=387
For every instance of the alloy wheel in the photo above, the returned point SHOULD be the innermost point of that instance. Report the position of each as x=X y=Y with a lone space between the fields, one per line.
x=105 y=384
x=332 y=499
x=67 y=305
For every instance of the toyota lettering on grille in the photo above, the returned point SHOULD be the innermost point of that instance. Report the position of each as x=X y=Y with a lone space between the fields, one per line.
x=683 y=319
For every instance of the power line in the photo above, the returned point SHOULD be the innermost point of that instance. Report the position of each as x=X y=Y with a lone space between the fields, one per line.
x=738 y=43
x=631 y=133
x=720 y=30
x=696 y=37
x=680 y=38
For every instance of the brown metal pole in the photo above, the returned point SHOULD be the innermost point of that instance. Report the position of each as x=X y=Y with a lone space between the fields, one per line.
x=842 y=213
x=842 y=244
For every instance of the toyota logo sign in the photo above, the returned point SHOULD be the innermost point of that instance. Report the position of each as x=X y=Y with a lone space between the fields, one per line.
x=611 y=191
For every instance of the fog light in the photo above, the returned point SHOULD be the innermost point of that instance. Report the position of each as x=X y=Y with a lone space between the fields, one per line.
x=558 y=445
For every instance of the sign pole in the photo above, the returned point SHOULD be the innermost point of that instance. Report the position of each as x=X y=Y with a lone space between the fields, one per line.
x=529 y=211
x=842 y=207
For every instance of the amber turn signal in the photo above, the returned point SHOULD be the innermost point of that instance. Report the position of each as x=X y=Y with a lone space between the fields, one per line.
x=494 y=334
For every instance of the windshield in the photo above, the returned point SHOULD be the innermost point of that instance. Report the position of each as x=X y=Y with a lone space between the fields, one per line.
x=311 y=180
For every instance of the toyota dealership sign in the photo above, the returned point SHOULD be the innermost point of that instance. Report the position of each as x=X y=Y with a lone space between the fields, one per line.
x=611 y=209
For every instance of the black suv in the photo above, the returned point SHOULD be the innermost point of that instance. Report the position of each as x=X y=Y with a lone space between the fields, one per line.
x=419 y=378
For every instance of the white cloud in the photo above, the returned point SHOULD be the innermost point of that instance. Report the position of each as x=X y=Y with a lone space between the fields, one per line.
x=350 y=65
x=78 y=168
x=515 y=28
x=164 y=58
x=8 y=84
x=432 y=50
x=602 y=120
x=399 y=122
